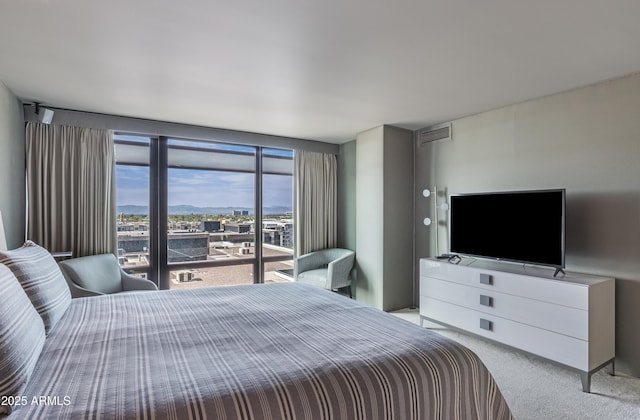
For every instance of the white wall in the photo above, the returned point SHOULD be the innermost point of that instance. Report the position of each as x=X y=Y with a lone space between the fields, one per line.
x=586 y=140
x=12 y=188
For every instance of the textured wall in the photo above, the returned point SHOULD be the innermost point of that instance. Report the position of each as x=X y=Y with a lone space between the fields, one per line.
x=12 y=188
x=369 y=216
x=347 y=195
x=586 y=140
x=384 y=210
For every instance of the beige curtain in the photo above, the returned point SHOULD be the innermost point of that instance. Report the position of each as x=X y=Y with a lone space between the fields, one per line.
x=71 y=189
x=315 y=201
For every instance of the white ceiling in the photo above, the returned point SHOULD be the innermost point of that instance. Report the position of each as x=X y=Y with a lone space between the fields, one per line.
x=321 y=70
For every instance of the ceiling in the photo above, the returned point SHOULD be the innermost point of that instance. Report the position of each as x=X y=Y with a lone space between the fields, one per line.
x=321 y=70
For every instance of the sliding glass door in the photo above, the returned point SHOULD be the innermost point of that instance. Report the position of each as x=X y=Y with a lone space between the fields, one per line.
x=217 y=214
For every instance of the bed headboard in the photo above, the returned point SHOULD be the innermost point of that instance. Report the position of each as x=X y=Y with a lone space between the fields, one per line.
x=3 y=239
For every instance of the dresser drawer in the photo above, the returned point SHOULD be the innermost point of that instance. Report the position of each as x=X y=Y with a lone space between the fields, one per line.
x=561 y=348
x=550 y=290
x=557 y=318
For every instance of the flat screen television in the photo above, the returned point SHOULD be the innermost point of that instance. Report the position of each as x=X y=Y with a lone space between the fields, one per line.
x=520 y=226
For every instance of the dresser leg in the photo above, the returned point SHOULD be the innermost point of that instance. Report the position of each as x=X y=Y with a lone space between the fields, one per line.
x=586 y=381
x=612 y=368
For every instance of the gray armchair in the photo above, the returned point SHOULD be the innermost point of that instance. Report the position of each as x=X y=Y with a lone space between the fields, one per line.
x=328 y=268
x=100 y=275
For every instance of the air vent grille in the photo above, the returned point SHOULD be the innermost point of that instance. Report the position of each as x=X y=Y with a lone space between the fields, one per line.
x=435 y=133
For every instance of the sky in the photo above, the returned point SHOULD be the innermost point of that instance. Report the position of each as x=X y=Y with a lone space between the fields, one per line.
x=203 y=188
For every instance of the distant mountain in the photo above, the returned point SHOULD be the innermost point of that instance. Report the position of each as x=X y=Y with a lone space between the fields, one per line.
x=130 y=209
x=276 y=210
x=187 y=209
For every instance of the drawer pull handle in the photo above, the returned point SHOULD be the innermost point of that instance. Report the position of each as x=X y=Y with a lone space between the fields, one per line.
x=485 y=324
x=486 y=300
x=486 y=279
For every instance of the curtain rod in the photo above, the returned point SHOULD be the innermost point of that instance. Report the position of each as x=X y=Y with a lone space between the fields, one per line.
x=147 y=127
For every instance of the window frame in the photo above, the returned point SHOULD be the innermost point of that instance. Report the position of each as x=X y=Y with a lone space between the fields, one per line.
x=159 y=147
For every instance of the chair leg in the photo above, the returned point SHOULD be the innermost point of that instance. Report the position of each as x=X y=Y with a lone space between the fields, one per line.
x=342 y=290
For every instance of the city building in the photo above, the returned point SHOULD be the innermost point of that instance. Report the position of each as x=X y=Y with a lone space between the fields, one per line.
x=210 y=226
x=191 y=246
x=278 y=232
x=237 y=227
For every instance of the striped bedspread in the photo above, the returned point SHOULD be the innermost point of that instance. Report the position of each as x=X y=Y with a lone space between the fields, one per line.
x=277 y=351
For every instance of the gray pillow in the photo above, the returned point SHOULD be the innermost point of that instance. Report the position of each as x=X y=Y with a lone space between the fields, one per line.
x=21 y=338
x=41 y=279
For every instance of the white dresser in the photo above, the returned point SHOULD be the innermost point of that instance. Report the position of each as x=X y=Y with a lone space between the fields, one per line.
x=569 y=319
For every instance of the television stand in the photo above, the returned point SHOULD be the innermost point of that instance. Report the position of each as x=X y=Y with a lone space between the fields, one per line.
x=569 y=320
x=559 y=270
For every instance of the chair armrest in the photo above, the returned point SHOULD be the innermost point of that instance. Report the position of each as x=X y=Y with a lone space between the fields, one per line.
x=307 y=262
x=130 y=283
x=78 y=292
x=339 y=270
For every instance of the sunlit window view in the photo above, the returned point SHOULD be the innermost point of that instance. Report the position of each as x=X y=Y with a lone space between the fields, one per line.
x=211 y=218
x=277 y=211
x=133 y=219
x=132 y=202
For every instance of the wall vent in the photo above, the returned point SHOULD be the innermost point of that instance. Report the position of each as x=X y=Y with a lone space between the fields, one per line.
x=434 y=133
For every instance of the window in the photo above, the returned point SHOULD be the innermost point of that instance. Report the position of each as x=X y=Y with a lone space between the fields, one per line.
x=211 y=213
x=132 y=202
x=277 y=213
x=205 y=196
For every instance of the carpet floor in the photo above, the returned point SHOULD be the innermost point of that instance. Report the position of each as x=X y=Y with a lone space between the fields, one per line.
x=536 y=389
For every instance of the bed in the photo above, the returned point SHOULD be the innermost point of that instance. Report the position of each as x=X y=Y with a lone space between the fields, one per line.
x=276 y=351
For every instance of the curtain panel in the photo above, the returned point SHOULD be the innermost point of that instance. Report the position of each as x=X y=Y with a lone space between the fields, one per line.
x=315 y=201
x=71 y=189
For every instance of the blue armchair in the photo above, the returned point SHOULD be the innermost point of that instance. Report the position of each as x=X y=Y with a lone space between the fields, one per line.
x=100 y=275
x=327 y=268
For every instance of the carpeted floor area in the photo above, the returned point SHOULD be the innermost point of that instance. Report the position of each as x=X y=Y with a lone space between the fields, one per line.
x=536 y=389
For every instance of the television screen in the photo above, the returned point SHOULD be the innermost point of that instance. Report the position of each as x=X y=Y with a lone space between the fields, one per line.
x=520 y=226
